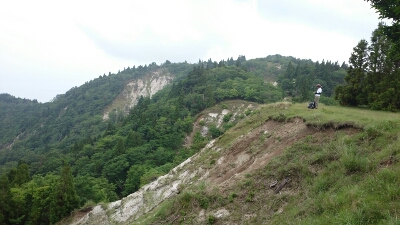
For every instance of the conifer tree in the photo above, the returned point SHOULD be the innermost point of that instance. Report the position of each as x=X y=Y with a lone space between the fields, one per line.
x=390 y=9
x=352 y=93
x=63 y=196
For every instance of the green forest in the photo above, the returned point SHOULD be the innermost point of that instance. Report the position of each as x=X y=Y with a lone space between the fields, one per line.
x=59 y=156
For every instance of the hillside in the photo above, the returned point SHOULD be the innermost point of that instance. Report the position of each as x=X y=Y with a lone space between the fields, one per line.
x=106 y=139
x=283 y=164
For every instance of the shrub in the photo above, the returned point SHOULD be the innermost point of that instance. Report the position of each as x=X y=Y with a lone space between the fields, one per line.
x=215 y=131
x=227 y=117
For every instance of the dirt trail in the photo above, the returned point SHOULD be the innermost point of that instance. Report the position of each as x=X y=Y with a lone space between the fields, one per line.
x=189 y=138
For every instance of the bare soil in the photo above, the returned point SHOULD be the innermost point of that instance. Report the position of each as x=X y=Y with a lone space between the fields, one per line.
x=257 y=148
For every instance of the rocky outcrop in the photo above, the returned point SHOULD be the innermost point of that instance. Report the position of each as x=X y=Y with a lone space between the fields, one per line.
x=145 y=86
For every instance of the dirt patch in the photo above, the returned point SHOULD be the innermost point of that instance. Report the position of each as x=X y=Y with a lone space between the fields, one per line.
x=189 y=138
x=258 y=147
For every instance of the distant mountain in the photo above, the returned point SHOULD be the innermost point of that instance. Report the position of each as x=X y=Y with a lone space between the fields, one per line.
x=77 y=113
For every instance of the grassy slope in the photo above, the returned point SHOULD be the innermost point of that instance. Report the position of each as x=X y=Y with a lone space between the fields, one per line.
x=349 y=177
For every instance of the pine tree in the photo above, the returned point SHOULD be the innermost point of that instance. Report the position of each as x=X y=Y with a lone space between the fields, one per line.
x=352 y=92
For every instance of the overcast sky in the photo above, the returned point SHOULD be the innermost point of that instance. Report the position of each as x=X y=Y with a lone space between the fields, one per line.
x=48 y=47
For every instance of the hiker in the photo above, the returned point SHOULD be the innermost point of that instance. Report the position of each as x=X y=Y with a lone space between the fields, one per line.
x=317 y=95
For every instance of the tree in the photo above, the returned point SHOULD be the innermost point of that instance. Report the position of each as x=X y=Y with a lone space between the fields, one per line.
x=115 y=171
x=390 y=9
x=63 y=196
x=21 y=175
x=379 y=80
x=352 y=92
x=120 y=147
x=133 y=139
x=93 y=189
x=303 y=83
x=6 y=202
x=135 y=172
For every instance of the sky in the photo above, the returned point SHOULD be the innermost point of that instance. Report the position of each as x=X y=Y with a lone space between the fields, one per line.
x=48 y=47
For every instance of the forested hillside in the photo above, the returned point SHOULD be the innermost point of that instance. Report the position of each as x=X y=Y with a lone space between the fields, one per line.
x=67 y=142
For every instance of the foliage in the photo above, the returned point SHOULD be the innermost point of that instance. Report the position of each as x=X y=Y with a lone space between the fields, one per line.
x=373 y=75
x=390 y=10
x=301 y=76
x=40 y=200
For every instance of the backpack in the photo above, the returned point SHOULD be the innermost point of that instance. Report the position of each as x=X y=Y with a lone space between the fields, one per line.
x=311 y=105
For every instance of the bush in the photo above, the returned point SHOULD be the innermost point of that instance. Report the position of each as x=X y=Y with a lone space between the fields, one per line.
x=215 y=131
x=328 y=101
x=227 y=117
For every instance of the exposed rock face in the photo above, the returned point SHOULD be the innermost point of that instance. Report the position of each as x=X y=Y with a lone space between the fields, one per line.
x=146 y=86
x=128 y=209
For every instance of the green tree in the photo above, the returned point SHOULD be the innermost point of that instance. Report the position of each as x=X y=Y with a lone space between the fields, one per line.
x=89 y=188
x=63 y=196
x=133 y=139
x=390 y=9
x=115 y=171
x=20 y=175
x=120 y=147
x=6 y=202
x=135 y=172
x=38 y=195
x=352 y=93
x=304 y=87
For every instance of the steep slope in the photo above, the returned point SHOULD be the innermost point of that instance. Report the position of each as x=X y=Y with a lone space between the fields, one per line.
x=221 y=165
x=144 y=86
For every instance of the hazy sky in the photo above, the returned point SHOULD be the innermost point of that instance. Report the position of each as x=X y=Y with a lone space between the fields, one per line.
x=48 y=47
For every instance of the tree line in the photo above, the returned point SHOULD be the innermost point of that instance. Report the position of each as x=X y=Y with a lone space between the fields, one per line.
x=373 y=78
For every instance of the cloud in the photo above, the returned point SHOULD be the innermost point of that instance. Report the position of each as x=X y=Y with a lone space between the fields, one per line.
x=173 y=30
x=348 y=17
x=150 y=47
x=53 y=45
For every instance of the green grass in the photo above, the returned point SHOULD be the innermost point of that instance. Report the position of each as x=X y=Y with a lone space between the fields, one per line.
x=346 y=179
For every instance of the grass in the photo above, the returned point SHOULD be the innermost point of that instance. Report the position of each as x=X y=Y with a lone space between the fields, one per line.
x=343 y=179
